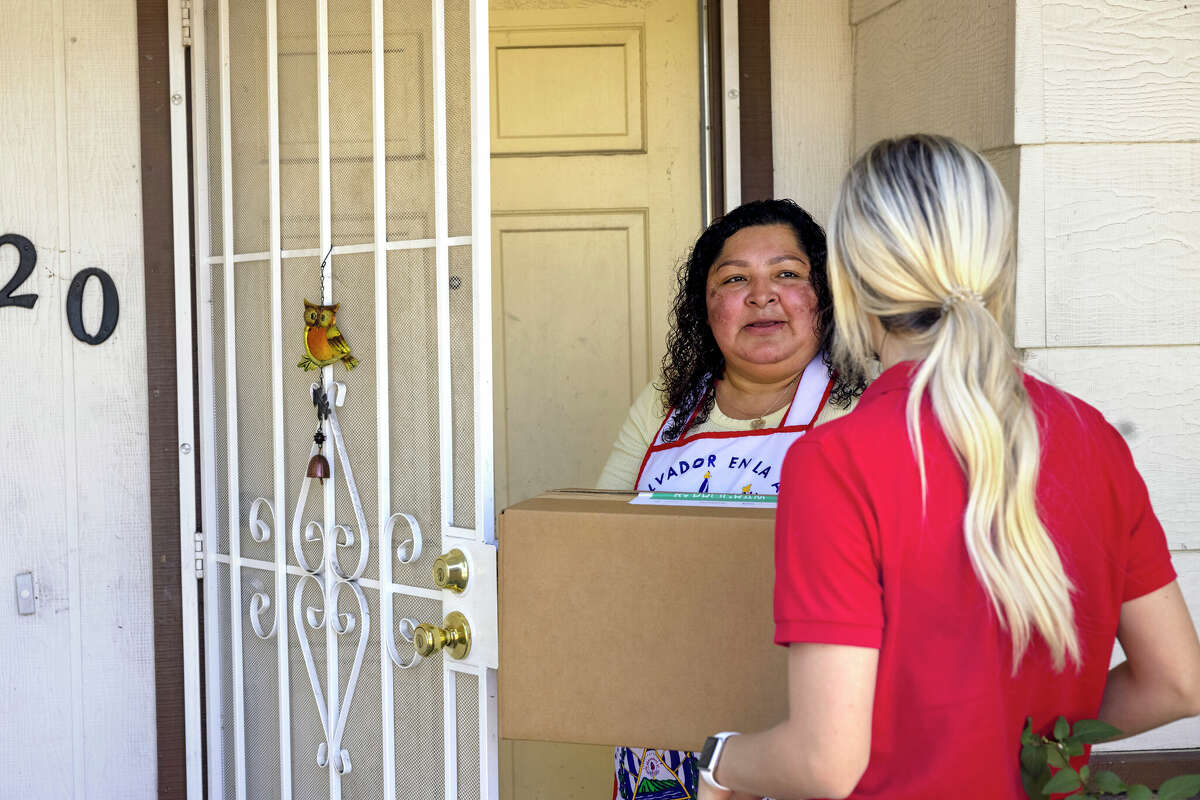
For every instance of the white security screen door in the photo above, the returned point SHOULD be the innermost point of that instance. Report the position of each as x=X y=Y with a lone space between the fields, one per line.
x=340 y=158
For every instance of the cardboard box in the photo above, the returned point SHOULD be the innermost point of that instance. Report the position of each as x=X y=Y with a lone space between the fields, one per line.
x=636 y=625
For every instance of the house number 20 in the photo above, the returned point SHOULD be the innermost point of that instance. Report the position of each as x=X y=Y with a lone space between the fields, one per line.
x=27 y=259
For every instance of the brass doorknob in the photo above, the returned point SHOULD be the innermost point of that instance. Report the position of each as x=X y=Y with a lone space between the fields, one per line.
x=455 y=637
x=450 y=571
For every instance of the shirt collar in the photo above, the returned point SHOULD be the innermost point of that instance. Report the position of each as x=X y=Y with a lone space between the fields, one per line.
x=894 y=378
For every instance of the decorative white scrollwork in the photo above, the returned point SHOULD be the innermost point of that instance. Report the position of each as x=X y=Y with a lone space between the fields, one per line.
x=331 y=582
x=342 y=624
x=260 y=531
x=260 y=603
x=408 y=550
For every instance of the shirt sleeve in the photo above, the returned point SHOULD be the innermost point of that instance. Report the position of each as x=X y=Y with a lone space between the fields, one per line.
x=827 y=573
x=1148 y=560
x=633 y=439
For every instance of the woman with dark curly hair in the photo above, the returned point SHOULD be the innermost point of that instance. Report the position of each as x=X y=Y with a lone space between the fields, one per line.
x=747 y=369
x=747 y=372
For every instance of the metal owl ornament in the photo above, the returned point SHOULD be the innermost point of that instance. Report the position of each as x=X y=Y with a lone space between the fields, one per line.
x=323 y=342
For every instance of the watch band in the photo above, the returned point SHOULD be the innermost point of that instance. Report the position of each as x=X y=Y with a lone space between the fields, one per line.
x=710 y=756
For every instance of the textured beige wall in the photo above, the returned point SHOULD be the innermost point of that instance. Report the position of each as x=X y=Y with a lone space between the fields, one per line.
x=938 y=66
x=812 y=72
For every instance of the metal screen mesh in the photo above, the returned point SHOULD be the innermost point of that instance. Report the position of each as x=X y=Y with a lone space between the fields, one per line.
x=298 y=167
x=255 y=418
x=261 y=691
x=462 y=379
x=212 y=89
x=458 y=115
x=408 y=118
x=467 y=704
x=417 y=700
x=412 y=376
x=219 y=525
x=220 y=631
x=248 y=118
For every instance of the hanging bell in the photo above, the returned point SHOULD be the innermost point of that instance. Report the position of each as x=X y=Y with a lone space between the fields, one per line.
x=318 y=467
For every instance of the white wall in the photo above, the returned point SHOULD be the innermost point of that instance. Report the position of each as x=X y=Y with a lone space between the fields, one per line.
x=76 y=678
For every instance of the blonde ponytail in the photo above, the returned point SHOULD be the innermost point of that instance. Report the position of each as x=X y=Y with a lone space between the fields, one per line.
x=921 y=237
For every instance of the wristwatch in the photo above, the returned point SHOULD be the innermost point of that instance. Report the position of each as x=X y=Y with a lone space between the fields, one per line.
x=710 y=755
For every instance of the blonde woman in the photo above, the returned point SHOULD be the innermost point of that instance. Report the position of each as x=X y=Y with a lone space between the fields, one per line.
x=966 y=544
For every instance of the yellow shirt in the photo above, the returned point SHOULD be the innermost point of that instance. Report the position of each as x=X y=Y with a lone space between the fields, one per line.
x=646 y=416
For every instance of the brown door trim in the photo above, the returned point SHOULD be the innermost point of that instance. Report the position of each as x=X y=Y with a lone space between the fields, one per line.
x=158 y=244
x=754 y=89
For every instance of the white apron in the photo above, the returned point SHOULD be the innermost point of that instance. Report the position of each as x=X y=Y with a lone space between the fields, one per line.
x=737 y=462
x=746 y=462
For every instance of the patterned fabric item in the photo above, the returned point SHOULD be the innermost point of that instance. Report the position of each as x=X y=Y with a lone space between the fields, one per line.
x=643 y=774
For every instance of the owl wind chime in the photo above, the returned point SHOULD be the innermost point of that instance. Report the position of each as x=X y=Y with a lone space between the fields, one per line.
x=323 y=345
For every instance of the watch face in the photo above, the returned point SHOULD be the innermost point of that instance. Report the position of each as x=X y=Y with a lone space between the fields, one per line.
x=706 y=754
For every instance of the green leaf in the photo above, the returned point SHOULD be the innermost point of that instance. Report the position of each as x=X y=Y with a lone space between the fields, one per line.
x=1138 y=792
x=1108 y=782
x=1032 y=786
x=1084 y=771
x=1033 y=759
x=1179 y=787
x=1093 y=731
x=1055 y=756
x=1074 y=747
x=1065 y=780
x=1062 y=729
x=1027 y=735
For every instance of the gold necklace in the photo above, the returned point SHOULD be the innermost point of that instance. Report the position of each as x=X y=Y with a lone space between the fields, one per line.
x=759 y=422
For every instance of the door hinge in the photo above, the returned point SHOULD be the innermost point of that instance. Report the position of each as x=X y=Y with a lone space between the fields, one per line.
x=199 y=538
x=185 y=20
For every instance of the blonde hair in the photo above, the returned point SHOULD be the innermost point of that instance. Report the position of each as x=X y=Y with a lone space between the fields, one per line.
x=922 y=238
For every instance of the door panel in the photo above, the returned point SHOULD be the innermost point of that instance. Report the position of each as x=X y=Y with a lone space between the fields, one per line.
x=598 y=351
x=595 y=118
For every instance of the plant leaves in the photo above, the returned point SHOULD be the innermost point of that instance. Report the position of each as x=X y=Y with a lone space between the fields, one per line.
x=1055 y=756
x=1074 y=747
x=1108 y=782
x=1027 y=735
x=1138 y=792
x=1062 y=729
x=1179 y=787
x=1084 y=771
x=1033 y=759
x=1065 y=780
x=1093 y=731
x=1032 y=786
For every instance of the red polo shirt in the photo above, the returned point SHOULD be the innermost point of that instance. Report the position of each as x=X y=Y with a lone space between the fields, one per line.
x=856 y=564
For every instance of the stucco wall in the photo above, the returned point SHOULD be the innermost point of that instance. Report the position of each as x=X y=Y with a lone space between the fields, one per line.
x=76 y=678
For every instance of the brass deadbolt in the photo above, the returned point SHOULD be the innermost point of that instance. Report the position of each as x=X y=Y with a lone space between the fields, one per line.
x=455 y=637
x=450 y=571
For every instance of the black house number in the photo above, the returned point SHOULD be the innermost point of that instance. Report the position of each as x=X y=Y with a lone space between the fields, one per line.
x=27 y=259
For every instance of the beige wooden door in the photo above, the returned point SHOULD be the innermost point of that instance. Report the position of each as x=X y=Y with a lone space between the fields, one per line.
x=596 y=197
